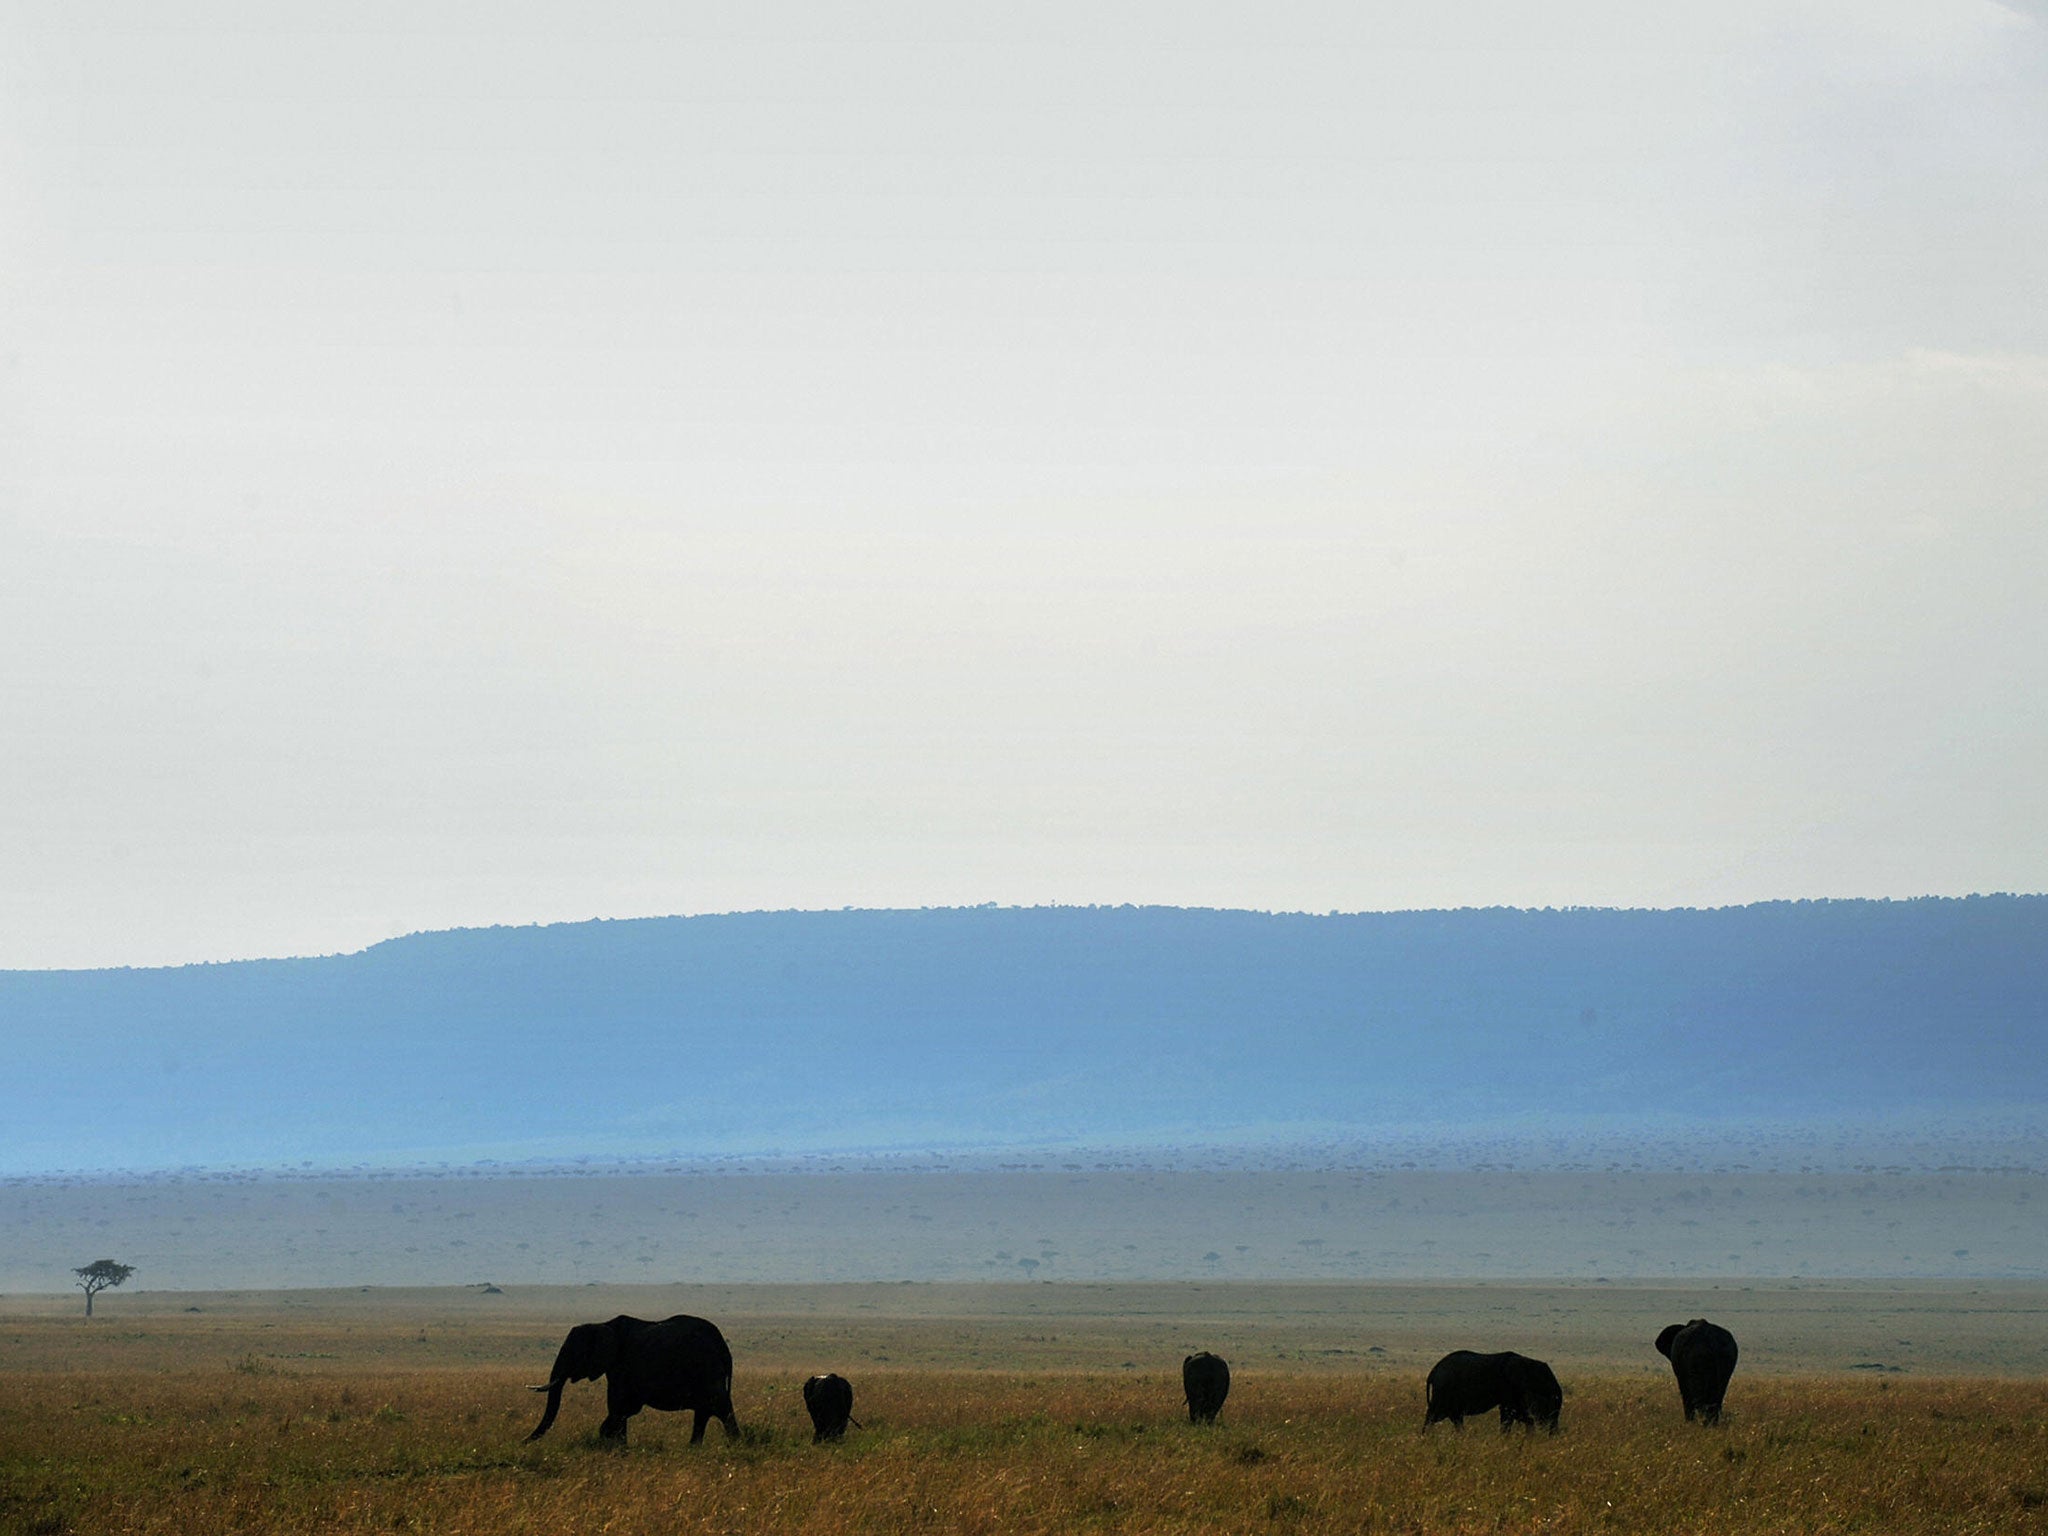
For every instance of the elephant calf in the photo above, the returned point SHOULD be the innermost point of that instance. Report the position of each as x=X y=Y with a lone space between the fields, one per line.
x=830 y=1400
x=1702 y=1356
x=1525 y=1390
x=1206 y=1380
x=679 y=1363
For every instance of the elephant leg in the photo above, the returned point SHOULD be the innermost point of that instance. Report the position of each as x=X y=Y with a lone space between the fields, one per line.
x=698 y=1420
x=620 y=1405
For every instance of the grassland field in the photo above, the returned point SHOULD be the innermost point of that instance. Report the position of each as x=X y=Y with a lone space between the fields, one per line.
x=1040 y=1407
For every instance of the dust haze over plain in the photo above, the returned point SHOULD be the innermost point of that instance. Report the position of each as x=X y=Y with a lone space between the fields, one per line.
x=467 y=466
x=1840 y=1089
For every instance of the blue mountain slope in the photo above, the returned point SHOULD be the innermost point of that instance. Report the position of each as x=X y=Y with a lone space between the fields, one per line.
x=766 y=1031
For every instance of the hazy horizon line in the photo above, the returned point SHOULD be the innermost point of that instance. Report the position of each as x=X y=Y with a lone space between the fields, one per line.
x=541 y=924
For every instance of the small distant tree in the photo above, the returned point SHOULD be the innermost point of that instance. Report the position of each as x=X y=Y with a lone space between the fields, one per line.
x=100 y=1275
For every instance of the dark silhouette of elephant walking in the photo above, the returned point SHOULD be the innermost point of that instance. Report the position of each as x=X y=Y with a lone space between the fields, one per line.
x=676 y=1364
x=1525 y=1390
x=830 y=1400
x=1702 y=1356
x=1206 y=1380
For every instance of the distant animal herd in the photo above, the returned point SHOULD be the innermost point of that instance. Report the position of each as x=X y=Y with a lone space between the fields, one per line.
x=682 y=1363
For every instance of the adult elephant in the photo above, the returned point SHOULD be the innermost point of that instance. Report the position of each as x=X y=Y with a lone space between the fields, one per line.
x=1525 y=1390
x=1205 y=1378
x=830 y=1399
x=679 y=1363
x=1702 y=1356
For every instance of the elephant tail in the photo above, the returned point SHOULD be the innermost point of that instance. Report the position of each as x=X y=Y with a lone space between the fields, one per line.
x=554 y=1392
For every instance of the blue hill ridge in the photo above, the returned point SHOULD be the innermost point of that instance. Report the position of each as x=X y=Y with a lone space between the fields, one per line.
x=970 y=1027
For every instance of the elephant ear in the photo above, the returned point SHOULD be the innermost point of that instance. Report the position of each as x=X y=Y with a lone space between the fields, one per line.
x=1664 y=1339
x=593 y=1348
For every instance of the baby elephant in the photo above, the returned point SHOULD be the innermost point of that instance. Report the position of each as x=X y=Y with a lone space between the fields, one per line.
x=830 y=1399
x=1702 y=1356
x=1525 y=1390
x=1206 y=1380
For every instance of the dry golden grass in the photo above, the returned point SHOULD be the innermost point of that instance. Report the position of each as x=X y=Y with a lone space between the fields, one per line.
x=264 y=1441
x=1022 y=1409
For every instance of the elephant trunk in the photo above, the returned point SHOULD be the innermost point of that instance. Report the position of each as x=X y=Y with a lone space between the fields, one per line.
x=554 y=1392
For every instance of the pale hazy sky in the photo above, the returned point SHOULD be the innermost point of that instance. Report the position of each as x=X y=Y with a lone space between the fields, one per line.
x=470 y=463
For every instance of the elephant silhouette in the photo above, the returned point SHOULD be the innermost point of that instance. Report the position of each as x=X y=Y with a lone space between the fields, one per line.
x=679 y=1363
x=1462 y=1383
x=1702 y=1356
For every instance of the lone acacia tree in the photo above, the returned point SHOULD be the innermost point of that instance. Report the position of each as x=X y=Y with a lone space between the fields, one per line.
x=100 y=1275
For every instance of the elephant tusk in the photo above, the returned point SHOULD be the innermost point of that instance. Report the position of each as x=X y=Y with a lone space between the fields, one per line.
x=546 y=1386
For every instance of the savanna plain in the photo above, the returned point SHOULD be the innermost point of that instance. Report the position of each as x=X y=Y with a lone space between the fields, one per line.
x=1037 y=1407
